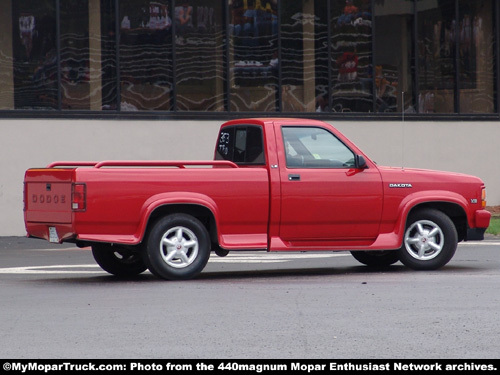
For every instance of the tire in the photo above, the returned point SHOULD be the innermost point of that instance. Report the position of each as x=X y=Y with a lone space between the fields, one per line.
x=177 y=248
x=118 y=261
x=430 y=240
x=379 y=258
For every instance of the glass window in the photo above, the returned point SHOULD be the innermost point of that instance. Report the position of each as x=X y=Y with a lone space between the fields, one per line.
x=394 y=56
x=88 y=55
x=476 y=67
x=436 y=56
x=35 y=54
x=304 y=52
x=103 y=62
x=315 y=148
x=241 y=144
x=253 y=55
x=75 y=68
x=145 y=55
x=199 y=53
x=6 y=56
x=351 y=46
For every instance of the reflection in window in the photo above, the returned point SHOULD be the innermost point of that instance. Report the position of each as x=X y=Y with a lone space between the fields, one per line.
x=394 y=56
x=6 y=56
x=476 y=75
x=103 y=56
x=145 y=55
x=436 y=56
x=304 y=44
x=352 y=56
x=199 y=55
x=253 y=51
x=88 y=54
x=75 y=67
x=35 y=55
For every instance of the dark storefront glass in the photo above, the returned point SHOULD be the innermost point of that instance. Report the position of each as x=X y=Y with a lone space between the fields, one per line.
x=106 y=75
x=88 y=55
x=351 y=48
x=436 y=56
x=304 y=52
x=310 y=56
x=253 y=55
x=75 y=66
x=199 y=55
x=34 y=54
x=476 y=62
x=145 y=55
x=394 y=56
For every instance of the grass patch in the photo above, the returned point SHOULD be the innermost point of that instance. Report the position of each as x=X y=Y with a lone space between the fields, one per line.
x=494 y=227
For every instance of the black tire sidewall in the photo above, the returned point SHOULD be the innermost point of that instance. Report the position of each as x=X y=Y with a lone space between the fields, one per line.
x=104 y=255
x=376 y=258
x=450 y=240
x=154 y=259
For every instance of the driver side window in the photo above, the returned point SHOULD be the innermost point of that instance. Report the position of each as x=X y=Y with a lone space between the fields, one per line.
x=308 y=147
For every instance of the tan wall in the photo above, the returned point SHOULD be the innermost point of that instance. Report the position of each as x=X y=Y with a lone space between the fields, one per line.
x=467 y=147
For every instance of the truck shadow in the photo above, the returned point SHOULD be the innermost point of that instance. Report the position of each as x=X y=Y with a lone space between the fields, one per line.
x=286 y=274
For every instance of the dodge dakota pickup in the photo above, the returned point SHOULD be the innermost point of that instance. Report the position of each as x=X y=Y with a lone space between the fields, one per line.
x=275 y=185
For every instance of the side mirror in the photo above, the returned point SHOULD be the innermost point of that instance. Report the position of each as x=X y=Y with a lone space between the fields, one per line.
x=361 y=162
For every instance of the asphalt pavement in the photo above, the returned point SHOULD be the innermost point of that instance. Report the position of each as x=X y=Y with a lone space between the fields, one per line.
x=20 y=242
x=57 y=303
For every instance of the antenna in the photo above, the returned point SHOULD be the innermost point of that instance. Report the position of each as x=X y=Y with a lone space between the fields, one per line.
x=403 y=130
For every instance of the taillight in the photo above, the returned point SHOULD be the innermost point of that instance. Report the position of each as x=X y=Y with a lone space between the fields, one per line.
x=79 y=197
x=483 y=197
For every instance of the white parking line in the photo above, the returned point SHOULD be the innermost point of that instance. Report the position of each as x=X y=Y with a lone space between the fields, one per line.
x=57 y=269
x=231 y=258
x=480 y=243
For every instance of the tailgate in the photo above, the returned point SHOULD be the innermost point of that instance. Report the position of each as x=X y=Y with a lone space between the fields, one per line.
x=48 y=195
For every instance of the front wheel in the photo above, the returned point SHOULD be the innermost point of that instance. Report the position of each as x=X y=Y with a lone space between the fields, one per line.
x=430 y=240
x=177 y=248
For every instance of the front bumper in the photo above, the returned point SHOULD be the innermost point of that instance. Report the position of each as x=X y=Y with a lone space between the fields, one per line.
x=475 y=234
x=482 y=222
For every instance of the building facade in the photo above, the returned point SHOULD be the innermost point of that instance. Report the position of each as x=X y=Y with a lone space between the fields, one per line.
x=413 y=82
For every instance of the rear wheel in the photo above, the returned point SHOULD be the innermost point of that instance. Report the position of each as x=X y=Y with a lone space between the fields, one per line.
x=117 y=260
x=430 y=240
x=380 y=258
x=177 y=248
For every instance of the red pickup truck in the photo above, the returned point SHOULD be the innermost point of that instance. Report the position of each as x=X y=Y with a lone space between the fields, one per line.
x=275 y=185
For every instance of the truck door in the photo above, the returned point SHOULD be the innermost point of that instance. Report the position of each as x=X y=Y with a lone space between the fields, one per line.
x=324 y=196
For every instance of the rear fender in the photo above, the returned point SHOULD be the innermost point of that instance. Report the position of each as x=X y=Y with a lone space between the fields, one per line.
x=174 y=198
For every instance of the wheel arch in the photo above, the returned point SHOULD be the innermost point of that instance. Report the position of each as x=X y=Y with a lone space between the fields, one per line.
x=203 y=208
x=453 y=210
x=202 y=213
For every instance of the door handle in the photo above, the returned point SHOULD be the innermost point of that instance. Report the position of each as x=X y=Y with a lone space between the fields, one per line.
x=294 y=177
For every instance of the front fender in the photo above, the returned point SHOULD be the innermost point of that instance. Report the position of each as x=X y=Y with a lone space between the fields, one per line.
x=429 y=198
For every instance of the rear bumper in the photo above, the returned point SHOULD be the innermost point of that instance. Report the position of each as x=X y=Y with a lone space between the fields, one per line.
x=63 y=232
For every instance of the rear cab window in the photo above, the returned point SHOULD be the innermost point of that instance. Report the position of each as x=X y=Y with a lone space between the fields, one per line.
x=241 y=144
